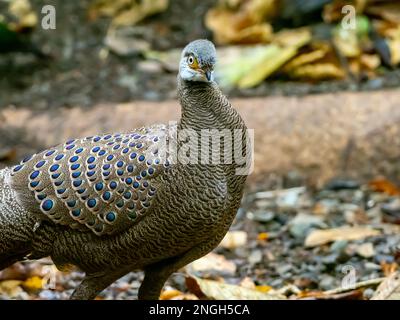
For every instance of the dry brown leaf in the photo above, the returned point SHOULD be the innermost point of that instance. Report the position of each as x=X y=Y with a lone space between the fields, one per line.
x=245 y=24
x=333 y=11
x=10 y=288
x=26 y=16
x=385 y=186
x=370 y=61
x=387 y=11
x=222 y=291
x=126 y=12
x=320 y=237
x=305 y=58
x=295 y=38
x=213 y=261
x=389 y=289
x=318 y=71
x=234 y=239
x=388 y=268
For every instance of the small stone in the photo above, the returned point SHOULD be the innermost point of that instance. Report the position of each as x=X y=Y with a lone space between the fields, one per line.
x=48 y=295
x=366 y=250
x=302 y=224
x=255 y=257
x=283 y=269
x=340 y=184
x=372 y=266
x=368 y=293
x=339 y=246
x=381 y=258
x=262 y=216
x=327 y=282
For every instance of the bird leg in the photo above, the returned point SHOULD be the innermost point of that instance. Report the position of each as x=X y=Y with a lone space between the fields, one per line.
x=157 y=274
x=92 y=285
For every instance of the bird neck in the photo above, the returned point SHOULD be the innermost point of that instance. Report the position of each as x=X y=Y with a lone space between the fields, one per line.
x=205 y=107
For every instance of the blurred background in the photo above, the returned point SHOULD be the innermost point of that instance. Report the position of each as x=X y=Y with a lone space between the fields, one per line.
x=316 y=79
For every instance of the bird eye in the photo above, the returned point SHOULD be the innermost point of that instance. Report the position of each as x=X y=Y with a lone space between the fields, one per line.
x=192 y=61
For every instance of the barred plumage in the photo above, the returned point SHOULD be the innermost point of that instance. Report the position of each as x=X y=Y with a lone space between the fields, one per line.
x=115 y=203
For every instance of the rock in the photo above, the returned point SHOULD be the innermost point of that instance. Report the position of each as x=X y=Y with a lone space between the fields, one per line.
x=48 y=295
x=283 y=269
x=126 y=42
x=302 y=224
x=381 y=258
x=261 y=215
x=255 y=257
x=368 y=293
x=327 y=282
x=366 y=250
x=234 y=239
x=150 y=66
x=213 y=262
x=342 y=184
x=339 y=246
x=372 y=266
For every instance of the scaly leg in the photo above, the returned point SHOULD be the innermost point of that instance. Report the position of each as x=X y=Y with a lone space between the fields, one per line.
x=92 y=285
x=157 y=274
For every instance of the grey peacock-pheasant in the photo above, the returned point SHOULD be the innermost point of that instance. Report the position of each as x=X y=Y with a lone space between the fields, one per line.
x=115 y=203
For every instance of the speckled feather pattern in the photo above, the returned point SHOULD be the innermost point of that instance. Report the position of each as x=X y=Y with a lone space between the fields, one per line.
x=187 y=216
x=101 y=183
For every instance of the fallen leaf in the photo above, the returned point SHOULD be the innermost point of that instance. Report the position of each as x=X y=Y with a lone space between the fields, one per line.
x=389 y=289
x=318 y=71
x=33 y=284
x=234 y=239
x=385 y=186
x=248 y=283
x=388 y=268
x=10 y=288
x=213 y=261
x=170 y=294
x=263 y=289
x=366 y=250
x=243 y=23
x=263 y=236
x=222 y=291
x=126 y=12
x=320 y=237
x=305 y=58
x=370 y=61
x=273 y=60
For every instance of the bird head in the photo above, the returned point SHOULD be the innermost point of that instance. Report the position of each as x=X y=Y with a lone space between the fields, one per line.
x=198 y=61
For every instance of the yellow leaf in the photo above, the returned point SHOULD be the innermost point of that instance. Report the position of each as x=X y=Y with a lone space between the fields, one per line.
x=305 y=58
x=263 y=289
x=318 y=71
x=33 y=283
x=262 y=236
x=169 y=294
x=10 y=287
x=273 y=61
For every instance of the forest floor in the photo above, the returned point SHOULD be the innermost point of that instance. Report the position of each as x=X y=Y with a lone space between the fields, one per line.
x=276 y=247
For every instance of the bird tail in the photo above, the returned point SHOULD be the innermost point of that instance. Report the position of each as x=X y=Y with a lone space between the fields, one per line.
x=16 y=225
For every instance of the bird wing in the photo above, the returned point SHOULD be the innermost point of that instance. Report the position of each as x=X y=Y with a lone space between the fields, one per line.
x=101 y=183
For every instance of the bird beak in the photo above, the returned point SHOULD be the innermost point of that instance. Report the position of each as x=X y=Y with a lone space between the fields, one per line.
x=208 y=74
